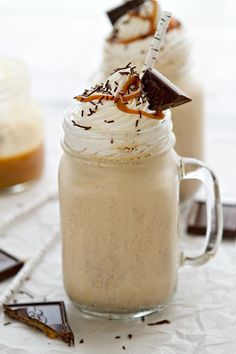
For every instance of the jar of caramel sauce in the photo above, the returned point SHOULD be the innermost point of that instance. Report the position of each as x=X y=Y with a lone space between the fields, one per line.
x=21 y=128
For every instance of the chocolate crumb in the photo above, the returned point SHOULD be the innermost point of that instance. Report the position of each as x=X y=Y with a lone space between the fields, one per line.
x=117 y=337
x=81 y=341
x=159 y=323
x=6 y=323
x=130 y=336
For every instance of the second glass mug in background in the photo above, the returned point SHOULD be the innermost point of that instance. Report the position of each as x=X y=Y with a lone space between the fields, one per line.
x=120 y=222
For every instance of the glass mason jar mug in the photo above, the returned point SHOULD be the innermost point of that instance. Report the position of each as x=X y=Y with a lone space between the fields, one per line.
x=119 y=220
x=21 y=131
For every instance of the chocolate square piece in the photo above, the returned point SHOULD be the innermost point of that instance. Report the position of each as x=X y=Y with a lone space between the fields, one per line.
x=197 y=219
x=9 y=265
x=48 y=317
x=118 y=12
x=161 y=93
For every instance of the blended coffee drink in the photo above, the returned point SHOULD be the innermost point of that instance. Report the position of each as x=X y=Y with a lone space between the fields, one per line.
x=134 y=24
x=118 y=190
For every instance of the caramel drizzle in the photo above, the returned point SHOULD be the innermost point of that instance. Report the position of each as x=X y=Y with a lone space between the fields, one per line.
x=174 y=24
x=122 y=98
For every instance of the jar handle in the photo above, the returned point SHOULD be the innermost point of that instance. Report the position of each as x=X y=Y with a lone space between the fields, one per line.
x=195 y=169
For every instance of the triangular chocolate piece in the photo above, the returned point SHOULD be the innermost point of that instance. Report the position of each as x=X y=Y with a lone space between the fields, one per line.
x=119 y=11
x=48 y=317
x=161 y=93
x=9 y=265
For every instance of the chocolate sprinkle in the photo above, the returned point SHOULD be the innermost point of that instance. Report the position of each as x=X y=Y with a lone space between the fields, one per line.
x=80 y=126
x=130 y=336
x=6 y=323
x=123 y=347
x=117 y=337
x=109 y=121
x=159 y=323
x=91 y=112
x=81 y=341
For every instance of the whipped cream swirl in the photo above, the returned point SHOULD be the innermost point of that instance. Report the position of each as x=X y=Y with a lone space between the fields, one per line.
x=100 y=128
x=174 y=54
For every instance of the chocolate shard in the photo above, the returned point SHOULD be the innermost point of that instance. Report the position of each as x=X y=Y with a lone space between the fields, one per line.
x=197 y=220
x=9 y=265
x=48 y=317
x=161 y=93
x=118 y=12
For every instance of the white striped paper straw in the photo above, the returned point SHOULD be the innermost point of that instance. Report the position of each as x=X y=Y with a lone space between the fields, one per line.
x=27 y=269
x=156 y=42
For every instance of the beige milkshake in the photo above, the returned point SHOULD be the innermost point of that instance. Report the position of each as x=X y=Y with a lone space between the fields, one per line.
x=130 y=40
x=118 y=191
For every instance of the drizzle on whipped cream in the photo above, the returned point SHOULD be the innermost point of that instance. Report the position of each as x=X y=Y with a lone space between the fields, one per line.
x=124 y=91
x=113 y=118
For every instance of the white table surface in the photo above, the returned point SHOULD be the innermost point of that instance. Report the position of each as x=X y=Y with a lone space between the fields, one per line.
x=55 y=46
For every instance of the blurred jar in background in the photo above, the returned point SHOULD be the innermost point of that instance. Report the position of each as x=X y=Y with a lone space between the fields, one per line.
x=21 y=128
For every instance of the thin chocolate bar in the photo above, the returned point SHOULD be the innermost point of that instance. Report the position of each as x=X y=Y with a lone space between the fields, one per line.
x=48 y=317
x=197 y=219
x=161 y=93
x=9 y=265
x=119 y=11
